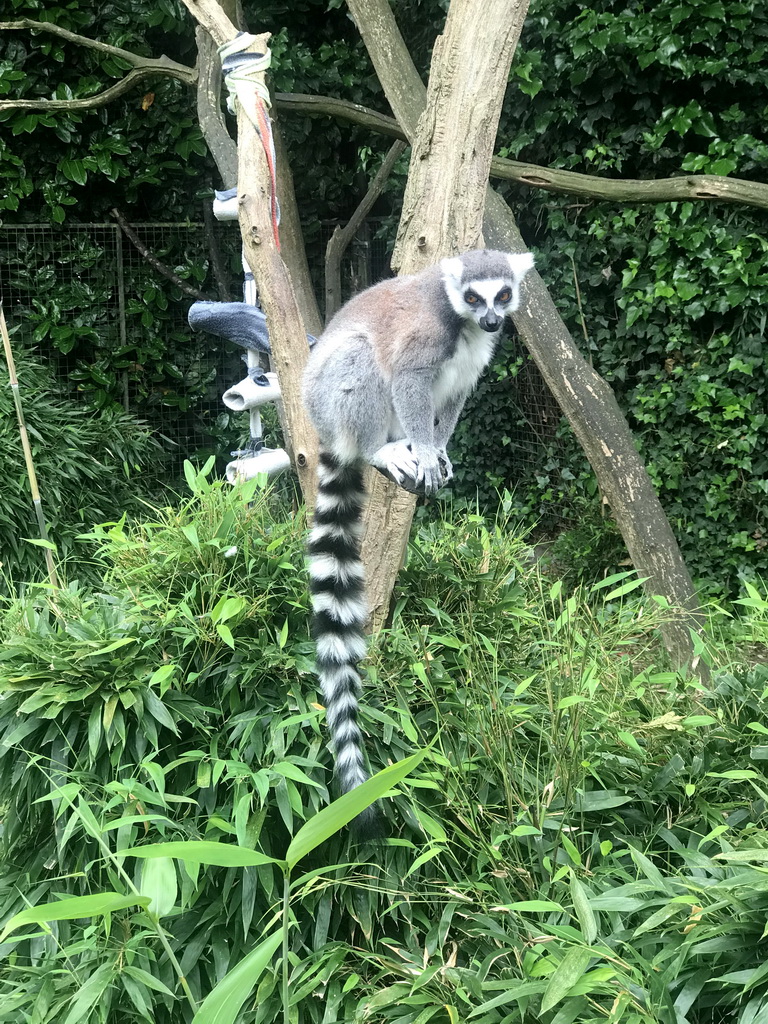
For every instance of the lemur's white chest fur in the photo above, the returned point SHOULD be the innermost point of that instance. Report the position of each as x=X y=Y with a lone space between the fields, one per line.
x=459 y=374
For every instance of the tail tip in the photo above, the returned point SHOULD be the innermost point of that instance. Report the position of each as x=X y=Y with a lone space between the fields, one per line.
x=370 y=825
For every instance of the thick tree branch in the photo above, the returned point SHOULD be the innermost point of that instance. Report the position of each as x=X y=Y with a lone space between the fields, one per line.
x=341 y=237
x=705 y=187
x=220 y=143
x=453 y=127
x=583 y=396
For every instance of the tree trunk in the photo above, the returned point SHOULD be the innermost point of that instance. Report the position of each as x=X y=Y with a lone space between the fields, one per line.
x=288 y=336
x=583 y=396
x=442 y=207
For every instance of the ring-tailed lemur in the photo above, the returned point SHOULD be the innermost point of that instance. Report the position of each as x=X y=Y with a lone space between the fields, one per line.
x=385 y=385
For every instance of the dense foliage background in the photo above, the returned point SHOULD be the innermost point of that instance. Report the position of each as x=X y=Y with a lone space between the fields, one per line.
x=585 y=838
x=667 y=300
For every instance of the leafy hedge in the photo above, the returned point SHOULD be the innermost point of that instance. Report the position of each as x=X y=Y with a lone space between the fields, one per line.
x=666 y=300
x=87 y=464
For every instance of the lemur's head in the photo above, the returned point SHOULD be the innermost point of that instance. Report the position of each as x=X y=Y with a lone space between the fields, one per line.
x=484 y=285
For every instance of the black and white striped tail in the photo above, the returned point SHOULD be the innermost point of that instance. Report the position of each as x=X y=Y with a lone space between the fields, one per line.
x=338 y=602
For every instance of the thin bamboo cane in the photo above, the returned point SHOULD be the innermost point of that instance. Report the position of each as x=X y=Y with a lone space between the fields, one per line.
x=31 y=474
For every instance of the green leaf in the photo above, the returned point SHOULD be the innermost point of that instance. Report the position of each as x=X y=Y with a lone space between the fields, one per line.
x=573 y=965
x=759 y=855
x=223 y=1003
x=338 y=814
x=626 y=588
x=72 y=909
x=89 y=994
x=158 y=882
x=74 y=170
x=539 y=906
x=742 y=774
x=202 y=851
x=584 y=912
x=226 y=634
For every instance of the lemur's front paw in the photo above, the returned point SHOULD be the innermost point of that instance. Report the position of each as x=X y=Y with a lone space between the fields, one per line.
x=446 y=469
x=397 y=462
x=429 y=474
x=420 y=470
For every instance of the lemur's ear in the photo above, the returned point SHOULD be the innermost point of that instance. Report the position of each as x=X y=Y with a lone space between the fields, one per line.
x=452 y=268
x=520 y=263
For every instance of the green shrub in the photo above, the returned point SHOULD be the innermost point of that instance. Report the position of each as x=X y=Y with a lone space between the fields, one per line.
x=570 y=809
x=88 y=466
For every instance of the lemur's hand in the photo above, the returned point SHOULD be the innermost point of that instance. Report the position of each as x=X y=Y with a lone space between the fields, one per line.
x=397 y=462
x=446 y=469
x=416 y=468
x=429 y=475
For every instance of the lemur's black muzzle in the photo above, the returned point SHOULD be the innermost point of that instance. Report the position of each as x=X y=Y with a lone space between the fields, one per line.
x=490 y=323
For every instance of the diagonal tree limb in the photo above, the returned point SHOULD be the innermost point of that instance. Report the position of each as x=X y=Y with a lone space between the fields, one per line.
x=150 y=257
x=341 y=237
x=164 y=65
x=582 y=394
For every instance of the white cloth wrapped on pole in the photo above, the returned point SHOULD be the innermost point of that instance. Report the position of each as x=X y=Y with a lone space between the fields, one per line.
x=249 y=395
x=270 y=461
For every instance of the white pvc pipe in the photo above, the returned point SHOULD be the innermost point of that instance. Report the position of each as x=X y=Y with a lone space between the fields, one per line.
x=249 y=395
x=269 y=461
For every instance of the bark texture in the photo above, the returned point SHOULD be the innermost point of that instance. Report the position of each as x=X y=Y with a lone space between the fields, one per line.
x=583 y=396
x=286 y=326
x=443 y=204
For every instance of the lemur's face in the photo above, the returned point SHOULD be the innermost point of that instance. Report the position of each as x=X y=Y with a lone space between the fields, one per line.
x=485 y=298
x=487 y=302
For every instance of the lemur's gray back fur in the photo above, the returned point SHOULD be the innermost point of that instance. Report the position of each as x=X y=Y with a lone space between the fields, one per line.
x=385 y=385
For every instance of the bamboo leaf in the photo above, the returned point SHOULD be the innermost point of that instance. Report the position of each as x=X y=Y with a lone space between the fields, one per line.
x=571 y=968
x=223 y=1003
x=584 y=911
x=72 y=909
x=158 y=882
x=338 y=814
x=201 y=851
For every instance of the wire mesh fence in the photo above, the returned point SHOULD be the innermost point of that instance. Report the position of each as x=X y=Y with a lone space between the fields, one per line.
x=114 y=329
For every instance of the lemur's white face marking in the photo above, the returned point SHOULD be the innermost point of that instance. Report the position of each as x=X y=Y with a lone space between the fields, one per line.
x=485 y=301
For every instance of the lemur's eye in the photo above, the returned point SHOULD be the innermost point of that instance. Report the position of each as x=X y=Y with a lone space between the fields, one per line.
x=504 y=296
x=471 y=298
